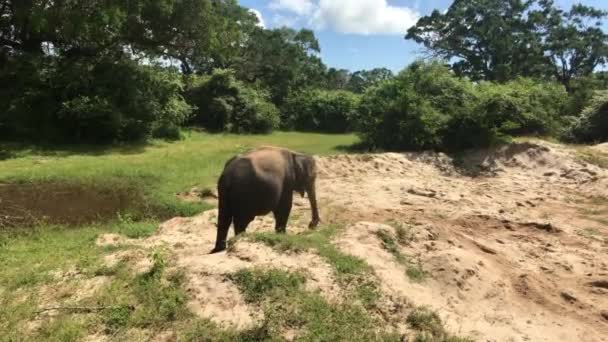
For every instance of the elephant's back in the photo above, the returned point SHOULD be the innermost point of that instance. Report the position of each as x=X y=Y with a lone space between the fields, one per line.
x=250 y=185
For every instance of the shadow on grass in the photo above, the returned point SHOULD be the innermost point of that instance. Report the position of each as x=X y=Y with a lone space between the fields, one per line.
x=10 y=150
x=359 y=147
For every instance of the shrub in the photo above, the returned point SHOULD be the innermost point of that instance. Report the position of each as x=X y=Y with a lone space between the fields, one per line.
x=499 y=111
x=225 y=104
x=320 y=110
x=592 y=125
x=523 y=106
x=97 y=101
x=582 y=90
x=412 y=111
x=428 y=107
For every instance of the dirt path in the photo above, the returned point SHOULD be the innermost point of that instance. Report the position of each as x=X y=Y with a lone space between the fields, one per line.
x=514 y=241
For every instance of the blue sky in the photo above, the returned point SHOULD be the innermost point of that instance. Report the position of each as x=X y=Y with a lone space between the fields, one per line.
x=361 y=34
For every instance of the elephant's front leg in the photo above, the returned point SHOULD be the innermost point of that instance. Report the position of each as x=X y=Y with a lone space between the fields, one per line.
x=281 y=213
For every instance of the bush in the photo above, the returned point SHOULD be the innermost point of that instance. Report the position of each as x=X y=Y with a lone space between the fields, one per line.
x=96 y=101
x=225 y=104
x=428 y=107
x=320 y=110
x=412 y=111
x=523 y=106
x=592 y=125
x=582 y=90
x=499 y=111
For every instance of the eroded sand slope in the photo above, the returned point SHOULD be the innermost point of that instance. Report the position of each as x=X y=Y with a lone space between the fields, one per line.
x=515 y=240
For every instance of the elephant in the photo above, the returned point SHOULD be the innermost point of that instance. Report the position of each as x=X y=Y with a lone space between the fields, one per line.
x=263 y=181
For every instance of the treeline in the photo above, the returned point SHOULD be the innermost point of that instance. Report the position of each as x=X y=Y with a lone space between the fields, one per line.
x=114 y=71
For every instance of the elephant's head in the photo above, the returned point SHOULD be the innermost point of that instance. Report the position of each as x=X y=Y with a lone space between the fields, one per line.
x=305 y=172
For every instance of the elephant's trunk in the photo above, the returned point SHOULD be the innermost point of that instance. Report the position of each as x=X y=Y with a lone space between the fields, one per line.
x=312 y=197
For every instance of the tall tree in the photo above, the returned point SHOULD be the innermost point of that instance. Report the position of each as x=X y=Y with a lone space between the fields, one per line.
x=281 y=60
x=573 y=41
x=501 y=39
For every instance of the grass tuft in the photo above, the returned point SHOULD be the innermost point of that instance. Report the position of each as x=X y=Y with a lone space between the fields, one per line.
x=288 y=306
x=429 y=327
x=318 y=240
x=256 y=284
x=414 y=271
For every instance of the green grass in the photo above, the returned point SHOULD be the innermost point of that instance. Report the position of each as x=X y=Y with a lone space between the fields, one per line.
x=287 y=305
x=160 y=169
x=256 y=285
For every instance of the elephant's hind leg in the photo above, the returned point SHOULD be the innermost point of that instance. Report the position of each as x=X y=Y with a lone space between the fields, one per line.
x=241 y=223
x=281 y=213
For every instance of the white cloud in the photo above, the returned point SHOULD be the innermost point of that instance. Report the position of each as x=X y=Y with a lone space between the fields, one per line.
x=260 y=18
x=299 y=7
x=363 y=17
x=281 y=20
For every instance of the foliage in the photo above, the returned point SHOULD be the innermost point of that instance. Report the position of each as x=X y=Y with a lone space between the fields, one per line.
x=411 y=111
x=592 y=125
x=227 y=104
x=500 y=40
x=282 y=60
x=320 y=110
x=92 y=101
x=582 y=90
x=360 y=80
x=519 y=107
x=201 y=34
x=428 y=107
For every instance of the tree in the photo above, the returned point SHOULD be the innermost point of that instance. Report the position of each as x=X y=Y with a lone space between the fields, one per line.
x=573 y=41
x=337 y=78
x=281 y=59
x=361 y=80
x=499 y=40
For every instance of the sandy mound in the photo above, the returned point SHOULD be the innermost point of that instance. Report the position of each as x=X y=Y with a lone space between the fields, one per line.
x=512 y=239
x=212 y=295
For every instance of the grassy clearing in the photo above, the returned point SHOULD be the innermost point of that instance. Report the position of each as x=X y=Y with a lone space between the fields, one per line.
x=393 y=245
x=160 y=169
x=31 y=258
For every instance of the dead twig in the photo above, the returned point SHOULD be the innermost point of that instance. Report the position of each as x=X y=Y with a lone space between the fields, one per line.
x=82 y=308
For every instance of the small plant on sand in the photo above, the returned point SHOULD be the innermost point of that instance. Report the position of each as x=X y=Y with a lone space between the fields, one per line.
x=404 y=233
x=413 y=271
x=429 y=327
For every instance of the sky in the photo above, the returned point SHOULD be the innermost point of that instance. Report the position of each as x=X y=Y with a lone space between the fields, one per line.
x=361 y=34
